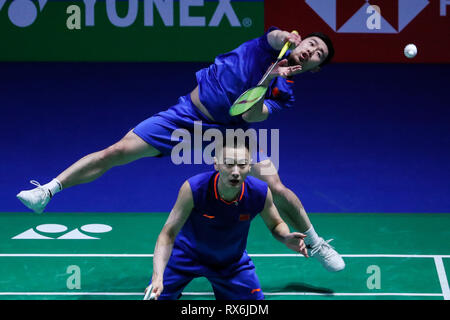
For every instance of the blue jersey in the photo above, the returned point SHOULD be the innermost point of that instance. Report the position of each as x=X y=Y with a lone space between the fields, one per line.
x=232 y=73
x=216 y=231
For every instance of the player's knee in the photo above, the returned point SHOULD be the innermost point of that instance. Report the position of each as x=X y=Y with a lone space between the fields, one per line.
x=277 y=188
x=113 y=155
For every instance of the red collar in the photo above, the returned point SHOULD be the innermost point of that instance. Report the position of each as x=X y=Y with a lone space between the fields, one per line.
x=216 y=193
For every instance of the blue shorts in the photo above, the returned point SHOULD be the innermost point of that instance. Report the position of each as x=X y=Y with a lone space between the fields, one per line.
x=157 y=130
x=236 y=281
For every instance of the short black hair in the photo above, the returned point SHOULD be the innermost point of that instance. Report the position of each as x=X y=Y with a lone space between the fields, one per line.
x=236 y=143
x=327 y=41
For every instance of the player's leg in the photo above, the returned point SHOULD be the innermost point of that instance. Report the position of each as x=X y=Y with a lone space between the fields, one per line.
x=293 y=212
x=180 y=270
x=174 y=283
x=238 y=282
x=130 y=148
x=151 y=137
x=287 y=203
x=87 y=169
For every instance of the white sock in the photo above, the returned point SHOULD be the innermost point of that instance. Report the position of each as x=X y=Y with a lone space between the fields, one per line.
x=312 y=237
x=53 y=186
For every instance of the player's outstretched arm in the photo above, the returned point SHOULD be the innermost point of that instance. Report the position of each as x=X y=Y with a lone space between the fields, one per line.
x=276 y=38
x=279 y=229
x=164 y=245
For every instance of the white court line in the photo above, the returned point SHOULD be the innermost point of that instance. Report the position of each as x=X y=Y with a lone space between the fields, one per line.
x=71 y=294
x=327 y=294
x=442 y=277
x=352 y=294
x=212 y=293
x=359 y=255
x=437 y=258
x=127 y=255
x=74 y=255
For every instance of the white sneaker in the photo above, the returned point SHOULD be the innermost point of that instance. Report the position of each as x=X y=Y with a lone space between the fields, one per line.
x=327 y=256
x=36 y=199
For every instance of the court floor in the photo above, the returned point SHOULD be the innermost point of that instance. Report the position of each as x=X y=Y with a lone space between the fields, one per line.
x=108 y=256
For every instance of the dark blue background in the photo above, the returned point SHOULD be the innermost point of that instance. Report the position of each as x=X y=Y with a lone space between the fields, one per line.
x=361 y=137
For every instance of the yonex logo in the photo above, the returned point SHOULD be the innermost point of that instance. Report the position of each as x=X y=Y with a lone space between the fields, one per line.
x=23 y=13
x=58 y=231
x=363 y=20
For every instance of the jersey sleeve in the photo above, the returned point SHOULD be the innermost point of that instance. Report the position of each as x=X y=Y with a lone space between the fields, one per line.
x=240 y=69
x=279 y=95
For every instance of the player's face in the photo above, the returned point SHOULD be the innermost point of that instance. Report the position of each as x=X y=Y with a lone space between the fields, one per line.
x=235 y=166
x=310 y=53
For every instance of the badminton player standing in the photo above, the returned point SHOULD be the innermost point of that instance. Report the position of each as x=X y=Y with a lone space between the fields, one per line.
x=206 y=232
x=217 y=87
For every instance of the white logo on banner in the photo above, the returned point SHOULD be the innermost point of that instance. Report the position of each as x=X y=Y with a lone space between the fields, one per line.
x=49 y=231
x=369 y=19
x=23 y=13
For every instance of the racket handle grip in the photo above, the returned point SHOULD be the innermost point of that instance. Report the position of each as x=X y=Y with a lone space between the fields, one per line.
x=286 y=46
x=149 y=295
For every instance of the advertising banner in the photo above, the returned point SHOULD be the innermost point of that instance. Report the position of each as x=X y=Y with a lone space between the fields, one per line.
x=126 y=30
x=371 y=30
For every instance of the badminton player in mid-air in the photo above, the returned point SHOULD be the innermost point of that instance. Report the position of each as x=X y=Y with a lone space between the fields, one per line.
x=218 y=86
x=206 y=232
